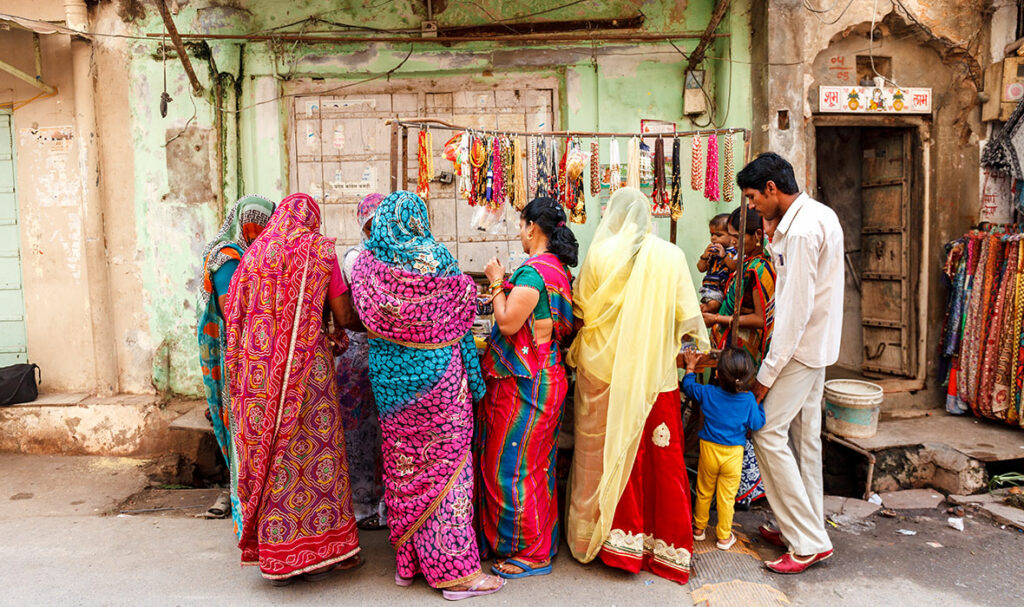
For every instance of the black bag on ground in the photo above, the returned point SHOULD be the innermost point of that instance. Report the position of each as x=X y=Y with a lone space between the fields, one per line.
x=18 y=384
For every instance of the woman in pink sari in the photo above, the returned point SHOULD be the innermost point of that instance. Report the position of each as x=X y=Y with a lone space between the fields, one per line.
x=292 y=471
x=418 y=308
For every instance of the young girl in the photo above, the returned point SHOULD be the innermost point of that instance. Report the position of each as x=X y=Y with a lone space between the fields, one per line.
x=730 y=411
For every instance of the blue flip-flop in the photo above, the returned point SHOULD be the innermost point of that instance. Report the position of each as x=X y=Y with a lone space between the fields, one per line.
x=527 y=570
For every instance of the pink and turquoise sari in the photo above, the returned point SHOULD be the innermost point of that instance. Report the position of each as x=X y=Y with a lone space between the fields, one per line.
x=418 y=309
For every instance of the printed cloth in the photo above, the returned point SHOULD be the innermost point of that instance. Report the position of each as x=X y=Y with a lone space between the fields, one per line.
x=712 y=288
x=362 y=428
x=651 y=527
x=418 y=308
x=242 y=225
x=518 y=428
x=292 y=470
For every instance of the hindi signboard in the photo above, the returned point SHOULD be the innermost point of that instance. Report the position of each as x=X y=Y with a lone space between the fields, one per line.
x=874 y=99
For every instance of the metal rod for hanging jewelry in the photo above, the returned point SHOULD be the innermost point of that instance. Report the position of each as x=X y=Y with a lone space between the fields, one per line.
x=422 y=123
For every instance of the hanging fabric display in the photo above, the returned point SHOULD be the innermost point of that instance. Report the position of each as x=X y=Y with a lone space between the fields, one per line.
x=982 y=344
x=545 y=175
x=727 y=172
x=696 y=174
x=478 y=164
x=572 y=188
x=659 y=195
x=531 y=166
x=711 y=191
x=507 y=168
x=646 y=164
x=425 y=160
x=519 y=198
x=615 y=167
x=498 y=173
x=675 y=198
x=633 y=164
x=595 y=168
x=464 y=169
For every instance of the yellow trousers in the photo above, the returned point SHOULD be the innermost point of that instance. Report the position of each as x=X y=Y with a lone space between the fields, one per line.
x=720 y=467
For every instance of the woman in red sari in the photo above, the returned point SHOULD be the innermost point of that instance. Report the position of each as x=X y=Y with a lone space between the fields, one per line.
x=629 y=495
x=519 y=417
x=292 y=471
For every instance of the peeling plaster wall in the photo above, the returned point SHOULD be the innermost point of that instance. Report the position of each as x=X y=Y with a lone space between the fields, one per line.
x=49 y=196
x=169 y=201
x=918 y=60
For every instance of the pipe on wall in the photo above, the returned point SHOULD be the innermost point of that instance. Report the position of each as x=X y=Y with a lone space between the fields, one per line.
x=100 y=308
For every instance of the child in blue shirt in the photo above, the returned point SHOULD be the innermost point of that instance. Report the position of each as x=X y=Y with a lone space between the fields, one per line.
x=730 y=411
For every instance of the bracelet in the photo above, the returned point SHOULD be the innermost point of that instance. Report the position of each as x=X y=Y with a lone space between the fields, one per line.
x=495 y=285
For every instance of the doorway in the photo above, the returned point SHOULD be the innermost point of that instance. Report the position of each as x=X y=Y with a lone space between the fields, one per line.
x=13 y=343
x=869 y=176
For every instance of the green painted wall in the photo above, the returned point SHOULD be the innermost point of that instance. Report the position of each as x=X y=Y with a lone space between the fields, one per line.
x=610 y=88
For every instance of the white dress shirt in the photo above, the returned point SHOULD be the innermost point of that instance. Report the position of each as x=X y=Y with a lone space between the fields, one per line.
x=807 y=250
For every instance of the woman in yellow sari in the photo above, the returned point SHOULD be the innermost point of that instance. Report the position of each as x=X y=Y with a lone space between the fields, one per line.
x=636 y=301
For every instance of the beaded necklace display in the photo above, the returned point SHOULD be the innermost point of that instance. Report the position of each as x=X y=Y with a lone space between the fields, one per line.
x=508 y=168
x=477 y=161
x=711 y=185
x=675 y=198
x=696 y=176
x=498 y=172
x=562 y=194
x=489 y=185
x=595 y=168
x=659 y=195
x=646 y=164
x=465 y=169
x=615 y=167
x=574 y=163
x=633 y=164
x=543 y=171
x=531 y=165
x=727 y=173
x=519 y=197
x=425 y=160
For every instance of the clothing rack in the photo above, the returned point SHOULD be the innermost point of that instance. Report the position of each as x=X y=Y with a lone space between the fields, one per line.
x=400 y=176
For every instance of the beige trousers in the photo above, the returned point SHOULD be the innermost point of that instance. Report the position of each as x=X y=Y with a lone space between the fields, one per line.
x=792 y=474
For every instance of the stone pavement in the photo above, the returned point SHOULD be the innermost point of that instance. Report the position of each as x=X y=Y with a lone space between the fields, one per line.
x=64 y=543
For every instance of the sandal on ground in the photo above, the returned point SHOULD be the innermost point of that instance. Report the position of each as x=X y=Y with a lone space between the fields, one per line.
x=527 y=569
x=402 y=581
x=699 y=537
x=370 y=523
x=473 y=590
x=354 y=562
x=726 y=543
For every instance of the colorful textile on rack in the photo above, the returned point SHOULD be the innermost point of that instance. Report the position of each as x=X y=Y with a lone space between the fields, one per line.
x=292 y=469
x=418 y=308
x=982 y=342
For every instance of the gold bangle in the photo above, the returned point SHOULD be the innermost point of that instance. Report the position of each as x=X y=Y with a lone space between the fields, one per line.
x=497 y=284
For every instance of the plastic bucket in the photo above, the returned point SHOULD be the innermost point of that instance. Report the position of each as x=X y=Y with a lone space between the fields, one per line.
x=851 y=407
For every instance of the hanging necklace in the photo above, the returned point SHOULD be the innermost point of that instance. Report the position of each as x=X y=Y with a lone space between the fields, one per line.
x=646 y=164
x=633 y=164
x=519 y=198
x=727 y=173
x=531 y=165
x=615 y=168
x=465 y=169
x=659 y=195
x=696 y=178
x=573 y=198
x=711 y=185
x=675 y=199
x=498 y=171
x=595 y=168
x=426 y=165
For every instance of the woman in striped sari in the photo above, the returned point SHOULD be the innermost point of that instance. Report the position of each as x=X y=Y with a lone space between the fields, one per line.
x=757 y=317
x=526 y=386
x=220 y=260
x=418 y=308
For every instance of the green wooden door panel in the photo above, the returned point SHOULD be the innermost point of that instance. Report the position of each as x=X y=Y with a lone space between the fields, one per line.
x=13 y=341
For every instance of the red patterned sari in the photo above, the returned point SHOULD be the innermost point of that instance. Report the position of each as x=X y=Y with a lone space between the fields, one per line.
x=292 y=470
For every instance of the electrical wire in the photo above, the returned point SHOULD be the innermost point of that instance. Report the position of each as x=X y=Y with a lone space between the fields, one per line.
x=808 y=6
x=871 y=45
x=818 y=12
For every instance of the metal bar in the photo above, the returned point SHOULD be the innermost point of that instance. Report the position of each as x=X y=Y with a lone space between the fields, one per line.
x=37 y=50
x=421 y=123
x=172 y=31
x=405 y=158
x=393 y=156
x=852 y=447
x=544 y=27
x=629 y=37
x=698 y=53
x=29 y=78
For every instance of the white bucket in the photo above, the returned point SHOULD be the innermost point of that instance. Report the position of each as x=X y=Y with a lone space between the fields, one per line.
x=851 y=407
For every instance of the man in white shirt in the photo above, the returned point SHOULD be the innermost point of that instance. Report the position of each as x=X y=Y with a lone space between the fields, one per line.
x=807 y=250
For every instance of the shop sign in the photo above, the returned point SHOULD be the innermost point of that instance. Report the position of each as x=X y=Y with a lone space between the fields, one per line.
x=874 y=99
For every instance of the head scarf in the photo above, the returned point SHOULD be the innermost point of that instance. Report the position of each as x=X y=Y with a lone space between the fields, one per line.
x=401 y=237
x=240 y=228
x=367 y=207
x=631 y=284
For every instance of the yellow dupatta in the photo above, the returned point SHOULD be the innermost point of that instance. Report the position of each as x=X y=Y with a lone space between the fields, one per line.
x=637 y=300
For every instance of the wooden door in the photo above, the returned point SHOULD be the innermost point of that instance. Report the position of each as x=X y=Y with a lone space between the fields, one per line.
x=886 y=320
x=13 y=343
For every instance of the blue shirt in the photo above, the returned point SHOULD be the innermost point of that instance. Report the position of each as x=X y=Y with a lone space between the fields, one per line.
x=727 y=416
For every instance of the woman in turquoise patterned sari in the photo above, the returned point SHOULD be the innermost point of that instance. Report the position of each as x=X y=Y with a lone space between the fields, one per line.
x=241 y=227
